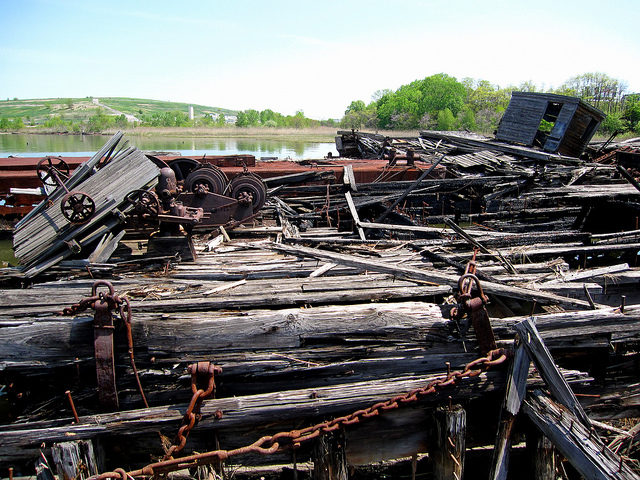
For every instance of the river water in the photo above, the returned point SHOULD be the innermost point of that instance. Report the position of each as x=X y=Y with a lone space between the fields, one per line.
x=35 y=145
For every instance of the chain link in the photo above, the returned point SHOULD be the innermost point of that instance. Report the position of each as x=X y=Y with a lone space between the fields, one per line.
x=293 y=438
x=205 y=372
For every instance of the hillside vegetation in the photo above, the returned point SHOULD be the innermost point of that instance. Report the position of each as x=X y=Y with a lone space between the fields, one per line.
x=438 y=102
x=441 y=102
x=91 y=115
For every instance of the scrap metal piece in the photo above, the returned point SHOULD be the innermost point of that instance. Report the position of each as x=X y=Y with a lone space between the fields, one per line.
x=77 y=207
x=103 y=344
x=473 y=308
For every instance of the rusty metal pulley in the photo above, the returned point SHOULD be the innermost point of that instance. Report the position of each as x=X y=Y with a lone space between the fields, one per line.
x=206 y=178
x=249 y=189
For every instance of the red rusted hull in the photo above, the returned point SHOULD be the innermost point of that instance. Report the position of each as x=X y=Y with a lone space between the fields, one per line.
x=20 y=172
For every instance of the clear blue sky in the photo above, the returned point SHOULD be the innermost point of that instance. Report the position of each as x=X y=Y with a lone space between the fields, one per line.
x=315 y=56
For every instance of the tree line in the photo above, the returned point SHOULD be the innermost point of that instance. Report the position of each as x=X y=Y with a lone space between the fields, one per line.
x=441 y=102
x=100 y=121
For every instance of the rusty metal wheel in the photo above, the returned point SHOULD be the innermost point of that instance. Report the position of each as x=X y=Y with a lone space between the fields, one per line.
x=77 y=207
x=183 y=167
x=52 y=171
x=247 y=187
x=208 y=178
x=144 y=203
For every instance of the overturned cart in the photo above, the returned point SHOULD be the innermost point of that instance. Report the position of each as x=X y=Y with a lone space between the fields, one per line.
x=119 y=191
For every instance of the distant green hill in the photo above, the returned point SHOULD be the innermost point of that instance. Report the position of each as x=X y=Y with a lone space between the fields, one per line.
x=38 y=111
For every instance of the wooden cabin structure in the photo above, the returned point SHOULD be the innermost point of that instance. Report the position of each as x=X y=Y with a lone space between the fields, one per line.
x=555 y=123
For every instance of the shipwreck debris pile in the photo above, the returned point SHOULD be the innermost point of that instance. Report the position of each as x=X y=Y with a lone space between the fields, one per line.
x=491 y=298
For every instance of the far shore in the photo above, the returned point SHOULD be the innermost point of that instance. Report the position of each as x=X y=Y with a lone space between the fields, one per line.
x=319 y=134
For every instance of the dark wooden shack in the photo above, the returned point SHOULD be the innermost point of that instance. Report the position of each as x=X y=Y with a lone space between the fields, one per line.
x=555 y=123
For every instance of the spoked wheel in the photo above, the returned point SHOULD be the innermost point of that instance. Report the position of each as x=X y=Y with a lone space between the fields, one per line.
x=206 y=178
x=249 y=188
x=144 y=203
x=183 y=167
x=52 y=171
x=77 y=207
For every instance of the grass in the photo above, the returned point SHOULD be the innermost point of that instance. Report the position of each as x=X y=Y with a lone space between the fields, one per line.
x=310 y=134
x=134 y=106
x=37 y=111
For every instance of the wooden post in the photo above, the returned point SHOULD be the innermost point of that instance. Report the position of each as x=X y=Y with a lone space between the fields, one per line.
x=541 y=455
x=74 y=460
x=447 y=450
x=329 y=457
x=515 y=392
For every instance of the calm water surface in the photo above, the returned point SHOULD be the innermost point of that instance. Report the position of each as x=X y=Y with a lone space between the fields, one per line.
x=85 y=145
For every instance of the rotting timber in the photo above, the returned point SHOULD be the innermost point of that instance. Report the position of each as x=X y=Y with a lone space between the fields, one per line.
x=328 y=315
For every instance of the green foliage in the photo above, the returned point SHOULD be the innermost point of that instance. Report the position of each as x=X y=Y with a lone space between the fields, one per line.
x=359 y=115
x=56 y=122
x=221 y=120
x=613 y=123
x=98 y=122
x=631 y=111
x=478 y=105
x=467 y=119
x=596 y=88
x=446 y=120
x=406 y=107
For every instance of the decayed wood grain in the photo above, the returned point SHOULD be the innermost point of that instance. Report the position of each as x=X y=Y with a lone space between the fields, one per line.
x=584 y=450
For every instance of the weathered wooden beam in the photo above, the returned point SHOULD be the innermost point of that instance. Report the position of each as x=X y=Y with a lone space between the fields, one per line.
x=542 y=456
x=586 y=452
x=74 y=460
x=424 y=275
x=329 y=457
x=514 y=395
x=354 y=215
x=541 y=356
x=449 y=440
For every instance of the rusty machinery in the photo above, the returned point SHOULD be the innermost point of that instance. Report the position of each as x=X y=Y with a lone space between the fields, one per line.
x=190 y=195
x=77 y=207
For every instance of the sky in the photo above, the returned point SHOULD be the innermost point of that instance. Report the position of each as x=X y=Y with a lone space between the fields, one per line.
x=314 y=56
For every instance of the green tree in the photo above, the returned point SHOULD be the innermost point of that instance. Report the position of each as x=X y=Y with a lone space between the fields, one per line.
x=241 y=120
x=221 y=120
x=613 y=123
x=253 y=117
x=446 y=120
x=631 y=111
x=267 y=115
x=596 y=88
x=466 y=119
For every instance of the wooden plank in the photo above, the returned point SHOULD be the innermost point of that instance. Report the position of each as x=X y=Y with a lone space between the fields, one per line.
x=354 y=215
x=514 y=395
x=424 y=275
x=544 y=362
x=349 y=178
x=448 y=447
x=586 y=452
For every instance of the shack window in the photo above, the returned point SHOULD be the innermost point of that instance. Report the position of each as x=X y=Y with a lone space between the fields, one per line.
x=547 y=122
x=588 y=133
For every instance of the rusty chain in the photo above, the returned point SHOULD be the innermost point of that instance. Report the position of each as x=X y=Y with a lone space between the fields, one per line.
x=293 y=438
x=203 y=373
x=113 y=302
